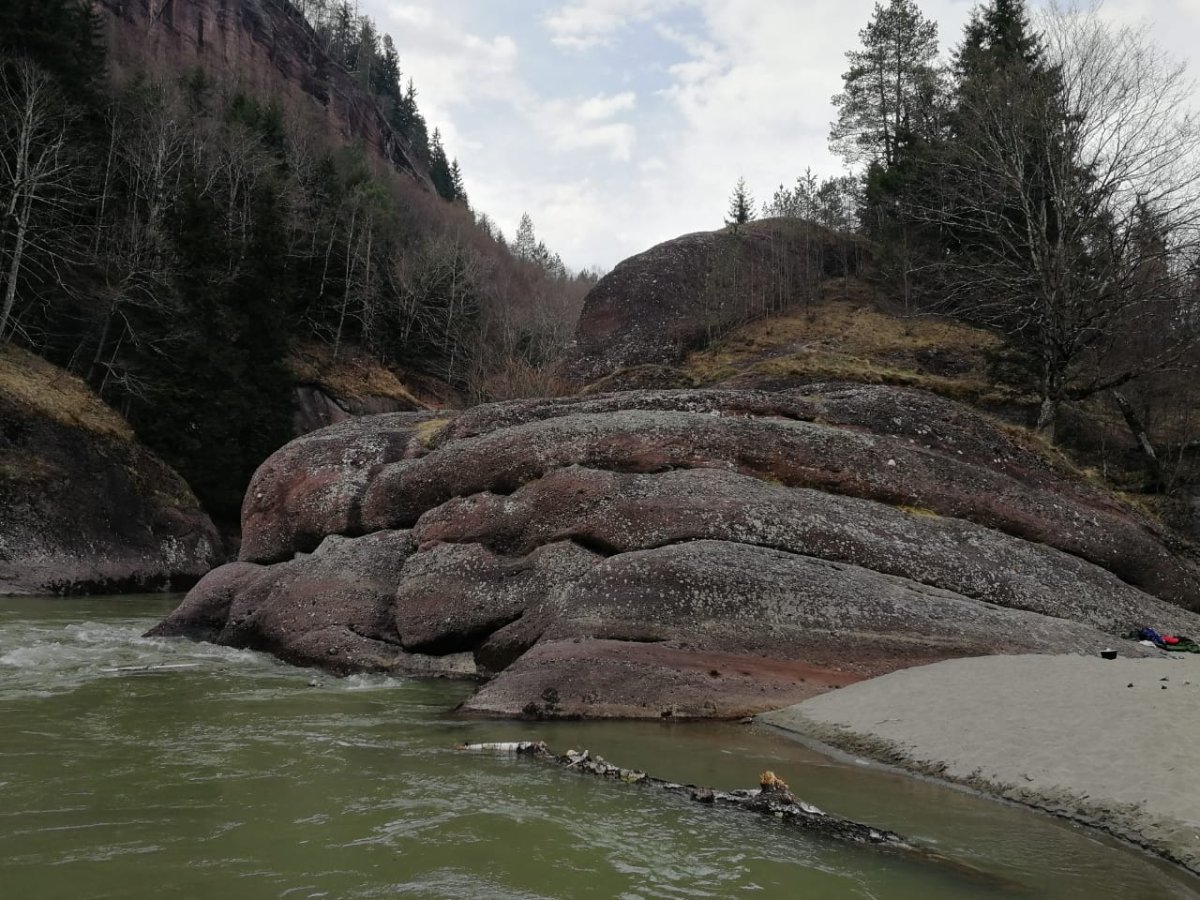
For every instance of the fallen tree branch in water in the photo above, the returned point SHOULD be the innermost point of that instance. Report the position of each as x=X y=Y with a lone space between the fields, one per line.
x=772 y=798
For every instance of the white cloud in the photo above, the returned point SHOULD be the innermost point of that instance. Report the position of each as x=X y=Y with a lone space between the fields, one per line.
x=585 y=124
x=642 y=137
x=590 y=23
x=408 y=14
x=594 y=109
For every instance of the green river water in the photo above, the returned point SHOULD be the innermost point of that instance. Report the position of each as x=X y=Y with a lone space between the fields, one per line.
x=239 y=777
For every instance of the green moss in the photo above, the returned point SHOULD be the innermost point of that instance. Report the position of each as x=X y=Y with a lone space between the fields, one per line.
x=24 y=468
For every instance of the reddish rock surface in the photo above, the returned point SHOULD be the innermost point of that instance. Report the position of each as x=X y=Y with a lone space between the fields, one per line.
x=312 y=487
x=619 y=679
x=681 y=553
x=887 y=468
x=332 y=609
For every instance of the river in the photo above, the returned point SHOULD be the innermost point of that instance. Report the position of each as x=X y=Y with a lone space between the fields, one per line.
x=233 y=776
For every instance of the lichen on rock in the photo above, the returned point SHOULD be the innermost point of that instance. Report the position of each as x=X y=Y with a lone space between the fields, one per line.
x=681 y=553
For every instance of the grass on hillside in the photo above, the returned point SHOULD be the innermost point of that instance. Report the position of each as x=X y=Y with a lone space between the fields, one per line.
x=29 y=382
x=846 y=340
x=351 y=377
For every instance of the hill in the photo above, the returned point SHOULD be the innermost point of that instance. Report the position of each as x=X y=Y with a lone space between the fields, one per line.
x=244 y=192
x=270 y=51
x=83 y=507
x=681 y=294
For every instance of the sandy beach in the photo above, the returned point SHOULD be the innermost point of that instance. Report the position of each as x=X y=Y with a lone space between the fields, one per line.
x=1114 y=744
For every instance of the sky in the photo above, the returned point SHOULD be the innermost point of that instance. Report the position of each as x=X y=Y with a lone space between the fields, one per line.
x=617 y=124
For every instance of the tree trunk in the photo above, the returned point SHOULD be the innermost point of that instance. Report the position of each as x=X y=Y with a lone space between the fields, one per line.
x=1047 y=421
x=1138 y=429
x=14 y=267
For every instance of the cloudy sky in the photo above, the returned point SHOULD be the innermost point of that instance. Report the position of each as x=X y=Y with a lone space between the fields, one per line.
x=620 y=123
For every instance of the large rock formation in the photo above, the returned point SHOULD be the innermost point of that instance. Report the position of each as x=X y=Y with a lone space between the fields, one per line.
x=83 y=507
x=273 y=52
x=679 y=295
x=681 y=553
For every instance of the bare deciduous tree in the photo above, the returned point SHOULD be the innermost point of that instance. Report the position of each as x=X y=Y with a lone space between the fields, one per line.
x=1074 y=195
x=37 y=179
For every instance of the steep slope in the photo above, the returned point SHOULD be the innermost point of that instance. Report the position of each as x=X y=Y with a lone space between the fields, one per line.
x=268 y=49
x=83 y=507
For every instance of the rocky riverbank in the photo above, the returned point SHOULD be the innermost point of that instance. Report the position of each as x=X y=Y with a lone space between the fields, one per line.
x=680 y=553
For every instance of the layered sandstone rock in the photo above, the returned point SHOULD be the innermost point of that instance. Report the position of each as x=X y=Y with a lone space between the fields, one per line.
x=681 y=553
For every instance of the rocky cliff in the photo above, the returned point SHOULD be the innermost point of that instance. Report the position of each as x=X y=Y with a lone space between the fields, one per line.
x=83 y=507
x=680 y=553
x=268 y=50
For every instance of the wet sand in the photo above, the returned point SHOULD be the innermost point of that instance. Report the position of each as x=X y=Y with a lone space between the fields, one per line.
x=1114 y=744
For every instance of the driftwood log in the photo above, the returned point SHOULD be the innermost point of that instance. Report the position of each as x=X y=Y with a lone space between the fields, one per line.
x=772 y=798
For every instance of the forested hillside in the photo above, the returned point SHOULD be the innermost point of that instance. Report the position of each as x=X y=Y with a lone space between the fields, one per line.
x=175 y=234
x=1041 y=180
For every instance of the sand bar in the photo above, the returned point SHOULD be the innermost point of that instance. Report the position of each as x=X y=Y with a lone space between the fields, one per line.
x=1111 y=743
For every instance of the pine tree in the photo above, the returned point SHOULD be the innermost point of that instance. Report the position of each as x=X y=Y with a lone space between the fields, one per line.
x=343 y=30
x=64 y=37
x=741 y=205
x=456 y=182
x=998 y=36
x=1026 y=186
x=891 y=88
x=1007 y=111
x=367 y=53
x=387 y=72
x=439 y=169
x=525 y=244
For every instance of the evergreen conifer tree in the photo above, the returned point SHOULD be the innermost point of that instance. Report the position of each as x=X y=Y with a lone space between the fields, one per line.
x=741 y=205
x=525 y=244
x=64 y=37
x=439 y=169
x=891 y=89
x=456 y=182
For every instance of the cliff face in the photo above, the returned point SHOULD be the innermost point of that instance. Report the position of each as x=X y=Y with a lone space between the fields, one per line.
x=265 y=47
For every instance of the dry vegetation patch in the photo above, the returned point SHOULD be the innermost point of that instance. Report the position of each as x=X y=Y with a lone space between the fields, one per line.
x=848 y=338
x=29 y=382
x=351 y=377
x=427 y=431
x=16 y=465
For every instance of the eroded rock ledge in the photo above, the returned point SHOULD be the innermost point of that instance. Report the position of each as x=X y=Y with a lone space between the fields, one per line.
x=680 y=553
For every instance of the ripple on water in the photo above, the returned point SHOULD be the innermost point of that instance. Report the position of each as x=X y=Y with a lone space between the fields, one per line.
x=43 y=660
x=244 y=777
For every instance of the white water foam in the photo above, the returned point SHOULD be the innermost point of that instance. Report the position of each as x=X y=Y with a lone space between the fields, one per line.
x=44 y=658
